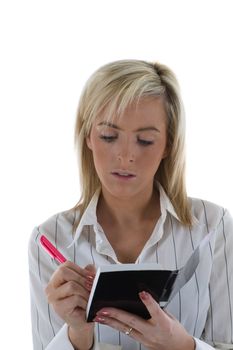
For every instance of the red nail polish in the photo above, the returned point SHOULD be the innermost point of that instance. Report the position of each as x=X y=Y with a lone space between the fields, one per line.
x=99 y=319
x=88 y=286
x=90 y=278
x=104 y=313
x=144 y=295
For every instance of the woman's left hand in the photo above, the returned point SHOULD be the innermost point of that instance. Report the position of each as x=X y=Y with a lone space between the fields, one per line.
x=162 y=331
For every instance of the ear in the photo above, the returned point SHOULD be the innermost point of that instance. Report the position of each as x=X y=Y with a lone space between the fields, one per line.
x=88 y=142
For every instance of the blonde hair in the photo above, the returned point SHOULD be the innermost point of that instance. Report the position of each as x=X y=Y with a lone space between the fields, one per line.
x=113 y=87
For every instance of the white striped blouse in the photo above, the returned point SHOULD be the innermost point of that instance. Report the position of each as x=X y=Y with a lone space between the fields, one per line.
x=204 y=305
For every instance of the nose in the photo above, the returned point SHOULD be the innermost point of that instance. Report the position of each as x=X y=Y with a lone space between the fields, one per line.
x=122 y=159
x=126 y=153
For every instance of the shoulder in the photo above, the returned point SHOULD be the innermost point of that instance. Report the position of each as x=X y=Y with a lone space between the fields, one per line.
x=59 y=226
x=60 y=221
x=206 y=212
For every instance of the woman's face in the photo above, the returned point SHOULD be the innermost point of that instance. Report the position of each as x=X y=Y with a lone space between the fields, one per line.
x=127 y=151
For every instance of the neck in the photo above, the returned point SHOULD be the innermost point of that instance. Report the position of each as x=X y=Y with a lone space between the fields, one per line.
x=127 y=211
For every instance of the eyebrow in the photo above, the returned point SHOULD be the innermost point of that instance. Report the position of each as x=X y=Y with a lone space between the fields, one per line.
x=114 y=126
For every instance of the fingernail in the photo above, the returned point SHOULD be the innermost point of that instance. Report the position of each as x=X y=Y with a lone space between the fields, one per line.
x=103 y=313
x=90 y=278
x=144 y=295
x=99 y=319
x=88 y=285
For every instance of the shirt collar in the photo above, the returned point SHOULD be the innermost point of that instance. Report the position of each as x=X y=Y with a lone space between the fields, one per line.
x=165 y=203
x=89 y=217
x=166 y=206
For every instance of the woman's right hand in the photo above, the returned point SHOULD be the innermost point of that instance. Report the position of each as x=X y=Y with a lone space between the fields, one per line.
x=68 y=292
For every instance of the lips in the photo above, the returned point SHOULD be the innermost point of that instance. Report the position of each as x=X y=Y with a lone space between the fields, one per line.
x=123 y=174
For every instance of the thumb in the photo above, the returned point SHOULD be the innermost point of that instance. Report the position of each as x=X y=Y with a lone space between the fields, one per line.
x=91 y=268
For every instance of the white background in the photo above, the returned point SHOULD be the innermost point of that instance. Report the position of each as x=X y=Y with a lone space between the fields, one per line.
x=48 y=50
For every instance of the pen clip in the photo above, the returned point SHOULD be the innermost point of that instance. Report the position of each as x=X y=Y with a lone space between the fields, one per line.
x=53 y=252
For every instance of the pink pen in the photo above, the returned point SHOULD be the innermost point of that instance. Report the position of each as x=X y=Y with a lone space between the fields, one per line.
x=53 y=252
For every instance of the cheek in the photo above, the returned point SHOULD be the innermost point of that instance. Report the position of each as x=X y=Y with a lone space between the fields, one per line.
x=149 y=164
x=151 y=159
x=101 y=154
x=104 y=150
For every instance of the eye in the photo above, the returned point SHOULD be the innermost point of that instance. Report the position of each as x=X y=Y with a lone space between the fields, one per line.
x=144 y=142
x=108 y=138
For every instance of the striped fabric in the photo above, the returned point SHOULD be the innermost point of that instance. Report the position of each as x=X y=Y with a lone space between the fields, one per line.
x=204 y=305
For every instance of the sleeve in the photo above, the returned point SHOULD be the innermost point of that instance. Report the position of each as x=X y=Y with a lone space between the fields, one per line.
x=218 y=330
x=49 y=332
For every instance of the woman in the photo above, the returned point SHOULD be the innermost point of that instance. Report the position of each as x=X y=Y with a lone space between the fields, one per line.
x=134 y=208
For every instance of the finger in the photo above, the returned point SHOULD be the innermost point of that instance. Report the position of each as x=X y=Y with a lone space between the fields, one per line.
x=70 y=306
x=155 y=311
x=91 y=268
x=71 y=303
x=66 y=290
x=119 y=326
x=124 y=318
x=91 y=273
x=116 y=324
x=66 y=272
x=76 y=268
x=82 y=271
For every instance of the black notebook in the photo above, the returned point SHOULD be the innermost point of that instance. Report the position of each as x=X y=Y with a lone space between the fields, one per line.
x=118 y=286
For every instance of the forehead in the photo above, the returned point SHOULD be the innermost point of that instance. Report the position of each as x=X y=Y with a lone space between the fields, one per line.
x=147 y=110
